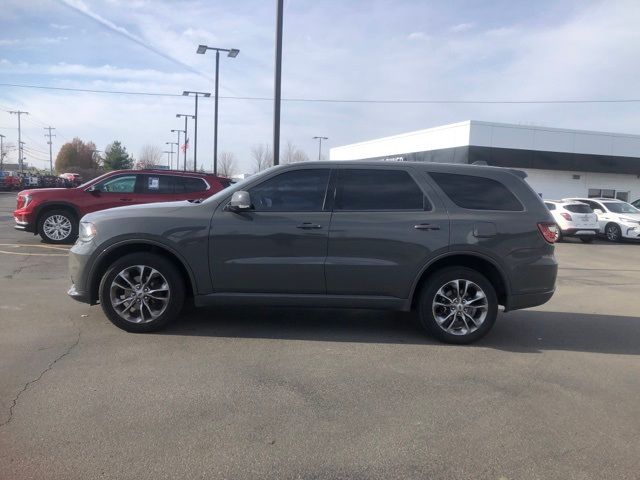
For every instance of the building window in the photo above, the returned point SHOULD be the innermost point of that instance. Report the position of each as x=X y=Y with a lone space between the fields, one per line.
x=624 y=196
x=576 y=177
x=595 y=193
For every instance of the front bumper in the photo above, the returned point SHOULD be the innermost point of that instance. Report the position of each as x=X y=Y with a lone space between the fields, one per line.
x=23 y=225
x=78 y=296
x=631 y=232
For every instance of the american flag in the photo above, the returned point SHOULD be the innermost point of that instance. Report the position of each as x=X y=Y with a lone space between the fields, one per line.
x=185 y=146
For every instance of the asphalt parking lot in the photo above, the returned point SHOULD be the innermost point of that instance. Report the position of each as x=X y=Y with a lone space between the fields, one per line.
x=551 y=393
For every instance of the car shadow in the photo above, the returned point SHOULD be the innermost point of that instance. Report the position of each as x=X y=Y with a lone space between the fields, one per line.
x=521 y=331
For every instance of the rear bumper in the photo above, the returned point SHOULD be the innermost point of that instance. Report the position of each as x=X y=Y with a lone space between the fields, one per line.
x=580 y=232
x=527 y=300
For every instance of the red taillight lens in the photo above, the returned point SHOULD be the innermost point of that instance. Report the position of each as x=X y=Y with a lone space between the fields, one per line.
x=549 y=231
x=566 y=216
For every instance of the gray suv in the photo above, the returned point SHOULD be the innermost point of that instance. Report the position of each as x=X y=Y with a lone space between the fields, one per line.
x=452 y=242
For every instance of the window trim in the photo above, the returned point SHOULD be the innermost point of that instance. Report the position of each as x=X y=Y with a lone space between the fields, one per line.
x=174 y=176
x=427 y=203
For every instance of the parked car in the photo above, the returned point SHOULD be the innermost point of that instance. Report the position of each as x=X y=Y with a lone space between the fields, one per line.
x=616 y=219
x=54 y=213
x=74 y=179
x=10 y=181
x=452 y=241
x=574 y=219
x=636 y=203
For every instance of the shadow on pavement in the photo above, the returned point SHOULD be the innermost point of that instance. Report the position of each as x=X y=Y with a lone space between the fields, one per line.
x=522 y=331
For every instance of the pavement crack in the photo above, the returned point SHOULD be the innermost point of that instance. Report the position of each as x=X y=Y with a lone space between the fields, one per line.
x=27 y=385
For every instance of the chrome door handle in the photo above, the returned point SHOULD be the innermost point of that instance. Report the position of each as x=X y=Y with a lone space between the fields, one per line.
x=309 y=226
x=426 y=226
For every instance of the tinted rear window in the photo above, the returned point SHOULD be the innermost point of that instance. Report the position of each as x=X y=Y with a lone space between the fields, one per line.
x=364 y=189
x=578 y=208
x=477 y=193
x=189 y=185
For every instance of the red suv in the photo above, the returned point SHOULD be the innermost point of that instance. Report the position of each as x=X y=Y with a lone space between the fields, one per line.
x=55 y=213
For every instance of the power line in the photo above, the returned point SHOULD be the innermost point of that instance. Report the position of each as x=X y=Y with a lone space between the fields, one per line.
x=337 y=100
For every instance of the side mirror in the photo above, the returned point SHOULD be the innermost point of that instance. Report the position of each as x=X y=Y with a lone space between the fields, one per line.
x=240 y=201
x=597 y=211
x=93 y=190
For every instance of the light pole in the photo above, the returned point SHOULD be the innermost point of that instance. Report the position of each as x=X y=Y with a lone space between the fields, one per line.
x=277 y=83
x=320 y=145
x=233 y=53
x=2 y=137
x=169 y=157
x=178 y=151
x=186 y=137
x=171 y=144
x=195 y=125
x=19 y=113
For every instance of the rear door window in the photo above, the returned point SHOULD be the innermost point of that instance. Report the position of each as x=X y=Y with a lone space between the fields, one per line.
x=189 y=185
x=373 y=189
x=477 y=193
x=157 y=184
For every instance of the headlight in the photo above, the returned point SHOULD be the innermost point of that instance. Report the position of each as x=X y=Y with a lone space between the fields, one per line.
x=87 y=231
x=26 y=200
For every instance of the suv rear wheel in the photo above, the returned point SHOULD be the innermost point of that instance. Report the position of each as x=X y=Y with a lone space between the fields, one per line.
x=458 y=305
x=58 y=226
x=142 y=292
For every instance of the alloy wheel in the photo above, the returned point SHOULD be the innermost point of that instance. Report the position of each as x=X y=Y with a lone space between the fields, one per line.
x=460 y=307
x=613 y=233
x=57 y=227
x=139 y=294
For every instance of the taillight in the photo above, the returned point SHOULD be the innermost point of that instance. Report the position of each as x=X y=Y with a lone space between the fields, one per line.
x=549 y=231
x=566 y=216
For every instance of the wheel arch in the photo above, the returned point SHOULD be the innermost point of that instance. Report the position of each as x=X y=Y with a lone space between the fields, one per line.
x=112 y=253
x=482 y=264
x=46 y=207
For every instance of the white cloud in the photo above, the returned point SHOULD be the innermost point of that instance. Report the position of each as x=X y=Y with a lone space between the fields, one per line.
x=30 y=42
x=462 y=27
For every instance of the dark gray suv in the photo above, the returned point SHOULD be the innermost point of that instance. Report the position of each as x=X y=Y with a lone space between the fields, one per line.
x=450 y=241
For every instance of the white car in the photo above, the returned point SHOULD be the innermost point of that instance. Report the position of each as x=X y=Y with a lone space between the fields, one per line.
x=616 y=219
x=574 y=219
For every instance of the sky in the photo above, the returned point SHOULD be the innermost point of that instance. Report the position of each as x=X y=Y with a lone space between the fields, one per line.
x=376 y=50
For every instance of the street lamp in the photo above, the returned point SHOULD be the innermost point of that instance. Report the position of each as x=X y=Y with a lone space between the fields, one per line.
x=233 y=53
x=186 y=93
x=186 y=138
x=178 y=152
x=171 y=144
x=320 y=145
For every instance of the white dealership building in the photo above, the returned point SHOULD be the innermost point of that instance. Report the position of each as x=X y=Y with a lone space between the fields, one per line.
x=559 y=162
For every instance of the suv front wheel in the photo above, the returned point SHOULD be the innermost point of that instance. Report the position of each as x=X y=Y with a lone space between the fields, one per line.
x=458 y=305
x=142 y=292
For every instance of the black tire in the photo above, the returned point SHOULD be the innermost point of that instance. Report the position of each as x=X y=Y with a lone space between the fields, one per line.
x=176 y=292
x=59 y=213
x=587 y=239
x=428 y=295
x=613 y=232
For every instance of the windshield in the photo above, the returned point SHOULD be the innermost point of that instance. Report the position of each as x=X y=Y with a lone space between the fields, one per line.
x=620 y=207
x=88 y=182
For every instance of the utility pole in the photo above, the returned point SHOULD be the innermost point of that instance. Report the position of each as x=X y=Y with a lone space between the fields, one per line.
x=19 y=113
x=178 y=151
x=1 y=152
x=320 y=145
x=49 y=135
x=277 y=87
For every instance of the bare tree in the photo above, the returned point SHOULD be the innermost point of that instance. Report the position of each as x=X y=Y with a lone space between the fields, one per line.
x=150 y=156
x=293 y=154
x=262 y=157
x=227 y=164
